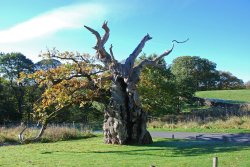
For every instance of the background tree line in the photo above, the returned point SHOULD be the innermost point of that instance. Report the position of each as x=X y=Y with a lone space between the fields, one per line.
x=174 y=86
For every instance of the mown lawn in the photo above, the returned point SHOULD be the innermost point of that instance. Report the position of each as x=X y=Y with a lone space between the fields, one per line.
x=92 y=152
x=242 y=95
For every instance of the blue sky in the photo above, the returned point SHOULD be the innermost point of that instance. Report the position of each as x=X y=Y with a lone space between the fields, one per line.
x=219 y=30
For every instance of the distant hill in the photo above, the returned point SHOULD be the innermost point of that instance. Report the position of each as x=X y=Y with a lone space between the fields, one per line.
x=242 y=95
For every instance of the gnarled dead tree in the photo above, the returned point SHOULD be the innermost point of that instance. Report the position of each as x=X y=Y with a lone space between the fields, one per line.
x=124 y=119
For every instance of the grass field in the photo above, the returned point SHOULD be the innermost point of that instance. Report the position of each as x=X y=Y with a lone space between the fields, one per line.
x=92 y=152
x=242 y=95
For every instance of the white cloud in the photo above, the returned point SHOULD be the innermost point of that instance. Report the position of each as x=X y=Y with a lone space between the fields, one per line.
x=48 y=23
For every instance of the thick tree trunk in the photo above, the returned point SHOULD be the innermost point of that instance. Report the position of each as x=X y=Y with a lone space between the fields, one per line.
x=124 y=121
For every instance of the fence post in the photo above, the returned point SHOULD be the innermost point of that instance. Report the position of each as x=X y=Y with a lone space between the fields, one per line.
x=74 y=124
x=215 y=162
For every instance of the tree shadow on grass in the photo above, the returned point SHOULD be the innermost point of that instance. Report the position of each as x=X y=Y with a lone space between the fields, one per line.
x=198 y=147
x=46 y=140
x=170 y=148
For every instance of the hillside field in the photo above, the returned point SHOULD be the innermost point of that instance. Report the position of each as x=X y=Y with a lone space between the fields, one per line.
x=242 y=95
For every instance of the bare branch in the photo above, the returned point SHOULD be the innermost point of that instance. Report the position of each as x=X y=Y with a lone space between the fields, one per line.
x=102 y=54
x=111 y=52
x=180 y=41
x=131 y=59
x=65 y=58
x=83 y=59
x=135 y=73
x=98 y=37
x=57 y=81
x=106 y=35
x=163 y=54
x=169 y=51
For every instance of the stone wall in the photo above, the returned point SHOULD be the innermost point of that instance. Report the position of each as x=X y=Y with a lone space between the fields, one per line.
x=223 y=104
x=216 y=109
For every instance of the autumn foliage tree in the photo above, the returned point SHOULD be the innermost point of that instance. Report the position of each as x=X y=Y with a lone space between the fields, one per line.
x=75 y=82
x=84 y=79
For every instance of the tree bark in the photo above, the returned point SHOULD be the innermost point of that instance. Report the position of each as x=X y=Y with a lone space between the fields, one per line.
x=124 y=121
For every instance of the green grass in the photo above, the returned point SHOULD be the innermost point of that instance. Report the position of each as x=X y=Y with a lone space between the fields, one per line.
x=242 y=95
x=92 y=152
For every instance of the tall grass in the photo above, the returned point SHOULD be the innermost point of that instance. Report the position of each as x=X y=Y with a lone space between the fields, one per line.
x=233 y=122
x=52 y=134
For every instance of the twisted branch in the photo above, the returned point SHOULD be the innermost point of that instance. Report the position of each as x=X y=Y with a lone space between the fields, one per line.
x=131 y=59
x=38 y=136
x=135 y=74
x=102 y=54
x=106 y=35
x=151 y=62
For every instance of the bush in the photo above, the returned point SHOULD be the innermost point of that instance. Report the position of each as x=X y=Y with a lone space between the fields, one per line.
x=247 y=84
